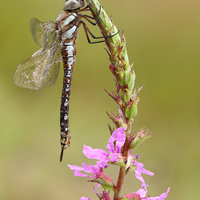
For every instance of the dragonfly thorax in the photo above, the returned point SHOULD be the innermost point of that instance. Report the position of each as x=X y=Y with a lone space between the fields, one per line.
x=66 y=25
x=73 y=4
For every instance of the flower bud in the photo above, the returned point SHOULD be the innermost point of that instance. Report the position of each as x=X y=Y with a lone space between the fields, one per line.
x=116 y=120
x=140 y=137
x=105 y=181
x=131 y=79
x=104 y=195
x=131 y=110
x=127 y=95
x=131 y=196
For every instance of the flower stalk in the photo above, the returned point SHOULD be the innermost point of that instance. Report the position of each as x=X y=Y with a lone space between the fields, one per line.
x=122 y=141
x=125 y=95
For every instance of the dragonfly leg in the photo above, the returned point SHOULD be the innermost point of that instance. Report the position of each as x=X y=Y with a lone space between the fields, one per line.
x=87 y=32
x=97 y=15
x=87 y=17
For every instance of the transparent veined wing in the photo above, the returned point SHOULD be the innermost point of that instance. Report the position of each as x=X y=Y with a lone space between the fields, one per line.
x=54 y=69
x=43 y=32
x=40 y=69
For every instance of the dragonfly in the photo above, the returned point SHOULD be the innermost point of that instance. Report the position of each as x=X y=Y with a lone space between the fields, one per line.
x=58 y=44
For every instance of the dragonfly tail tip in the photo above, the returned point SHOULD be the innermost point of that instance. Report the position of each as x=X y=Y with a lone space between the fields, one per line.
x=61 y=154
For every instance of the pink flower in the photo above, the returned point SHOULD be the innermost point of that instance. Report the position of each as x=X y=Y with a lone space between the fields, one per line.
x=143 y=192
x=84 y=198
x=116 y=142
x=97 y=154
x=104 y=195
x=97 y=174
x=113 y=155
x=132 y=196
x=138 y=173
x=91 y=169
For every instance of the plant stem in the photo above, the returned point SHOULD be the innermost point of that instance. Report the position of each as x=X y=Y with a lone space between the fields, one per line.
x=124 y=96
x=120 y=182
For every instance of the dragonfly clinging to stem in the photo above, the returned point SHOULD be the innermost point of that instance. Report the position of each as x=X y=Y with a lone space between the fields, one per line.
x=58 y=44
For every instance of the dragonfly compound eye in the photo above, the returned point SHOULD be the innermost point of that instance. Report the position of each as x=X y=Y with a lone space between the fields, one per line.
x=72 y=5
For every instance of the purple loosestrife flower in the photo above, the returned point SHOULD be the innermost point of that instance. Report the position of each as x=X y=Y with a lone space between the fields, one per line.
x=84 y=198
x=97 y=154
x=97 y=174
x=104 y=195
x=139 y=170
x=141 y=194
x=118 y=138
x=113 y=155
x=92 y=169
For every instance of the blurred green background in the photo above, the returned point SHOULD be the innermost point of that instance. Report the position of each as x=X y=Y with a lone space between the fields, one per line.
x=163 y=41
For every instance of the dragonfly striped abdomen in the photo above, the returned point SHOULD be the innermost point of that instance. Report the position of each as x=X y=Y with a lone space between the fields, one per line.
x=67 y=25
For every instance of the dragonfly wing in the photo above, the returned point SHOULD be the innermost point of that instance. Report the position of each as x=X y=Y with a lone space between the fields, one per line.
x=54 y=69
x=24 y=74
x=43 y=32
x=38 y=70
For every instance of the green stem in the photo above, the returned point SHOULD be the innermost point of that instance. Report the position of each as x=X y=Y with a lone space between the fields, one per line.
x=120 y=182
x=107 y=28
x=119 y=59
x=122 y=173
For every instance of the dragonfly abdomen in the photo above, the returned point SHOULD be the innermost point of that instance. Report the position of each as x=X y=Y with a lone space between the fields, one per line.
x=68 y=51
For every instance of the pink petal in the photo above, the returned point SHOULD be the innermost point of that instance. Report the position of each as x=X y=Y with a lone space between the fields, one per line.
x=77 y=170
x=119 y=136
x=84 y=198
x=97 y=154
x=75 y=167
x=161 y=197
x=139 y=170
x=142 y=192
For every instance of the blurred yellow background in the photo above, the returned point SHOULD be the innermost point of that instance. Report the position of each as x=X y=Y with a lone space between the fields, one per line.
x=163 y=41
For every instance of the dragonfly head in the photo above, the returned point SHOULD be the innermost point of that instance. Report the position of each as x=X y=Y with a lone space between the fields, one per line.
x=73 y=4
